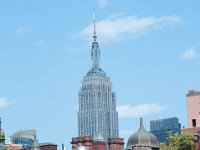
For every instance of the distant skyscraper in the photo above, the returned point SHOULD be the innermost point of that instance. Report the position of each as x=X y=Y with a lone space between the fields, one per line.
x=24 y=137
x=97 y=102
x=161 y=128
x=193 y=108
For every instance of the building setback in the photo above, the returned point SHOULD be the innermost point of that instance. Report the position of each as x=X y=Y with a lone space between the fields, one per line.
x=161 y=128
x=97 y=102
x=193 y=108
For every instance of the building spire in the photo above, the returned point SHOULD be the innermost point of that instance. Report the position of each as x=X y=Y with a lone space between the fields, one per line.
x=141 y=124
x=94 y=26
x=95 y=53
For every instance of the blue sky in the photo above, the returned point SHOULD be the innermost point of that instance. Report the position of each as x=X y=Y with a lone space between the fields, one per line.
x=149 y=49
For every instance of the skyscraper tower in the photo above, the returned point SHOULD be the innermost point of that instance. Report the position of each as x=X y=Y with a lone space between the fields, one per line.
x=97 y=102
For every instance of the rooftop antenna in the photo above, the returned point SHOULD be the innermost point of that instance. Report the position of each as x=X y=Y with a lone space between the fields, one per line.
x=95 y=53
x=94 y=26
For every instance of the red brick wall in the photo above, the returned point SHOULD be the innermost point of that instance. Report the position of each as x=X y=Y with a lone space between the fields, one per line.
x=113 y=143
x=116 y=144
x=98 y=145
x=48 y=147
x=82 y=141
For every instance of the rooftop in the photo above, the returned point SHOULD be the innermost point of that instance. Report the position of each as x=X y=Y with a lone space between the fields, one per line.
x=193 y=93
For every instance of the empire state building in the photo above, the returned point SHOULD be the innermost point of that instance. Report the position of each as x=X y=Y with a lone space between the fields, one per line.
x=97 y=102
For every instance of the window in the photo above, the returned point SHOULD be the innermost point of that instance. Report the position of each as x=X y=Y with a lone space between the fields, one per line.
x=194 y=122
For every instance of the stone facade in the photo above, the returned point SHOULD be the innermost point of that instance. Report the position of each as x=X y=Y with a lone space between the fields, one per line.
x=141 y=148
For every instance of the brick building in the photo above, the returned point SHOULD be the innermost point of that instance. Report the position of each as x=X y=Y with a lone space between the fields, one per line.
x=89 y=143
x=11 y=146
x=47 y=146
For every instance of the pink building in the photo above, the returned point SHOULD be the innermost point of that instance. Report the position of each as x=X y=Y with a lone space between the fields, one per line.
x=193 y=108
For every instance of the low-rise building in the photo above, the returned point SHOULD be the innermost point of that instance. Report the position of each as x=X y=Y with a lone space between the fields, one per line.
x=97 y=143
x=11 y=146
x=48 y=146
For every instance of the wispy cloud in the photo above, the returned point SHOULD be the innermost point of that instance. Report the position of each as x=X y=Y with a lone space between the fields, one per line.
x=40 y=43
x=6 y=102
x=122 y=27
x=140 y=110
x=189 y=54
x=22 y=31
x=102 y=3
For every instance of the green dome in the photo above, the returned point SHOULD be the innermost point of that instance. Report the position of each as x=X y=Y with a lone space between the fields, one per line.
x=142 y=138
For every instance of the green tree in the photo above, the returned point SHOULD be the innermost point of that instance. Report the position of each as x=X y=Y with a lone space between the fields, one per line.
x=179 y=142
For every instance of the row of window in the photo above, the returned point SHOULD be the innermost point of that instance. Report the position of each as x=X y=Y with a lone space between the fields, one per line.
x=90 y=100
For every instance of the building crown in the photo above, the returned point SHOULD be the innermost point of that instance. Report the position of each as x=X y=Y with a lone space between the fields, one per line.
x=95 y=54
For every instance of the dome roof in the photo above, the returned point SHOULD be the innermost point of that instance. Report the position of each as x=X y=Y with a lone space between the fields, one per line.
x=142 y=138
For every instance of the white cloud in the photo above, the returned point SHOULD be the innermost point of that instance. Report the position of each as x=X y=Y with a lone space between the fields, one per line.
x=6 y=102
x=140 y=110
x=121 y=27
x=189 y=54
x=22 y=31
x=40 y=43
x=102 y=3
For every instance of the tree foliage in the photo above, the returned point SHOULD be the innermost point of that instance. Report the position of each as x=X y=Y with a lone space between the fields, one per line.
x=179 y=142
